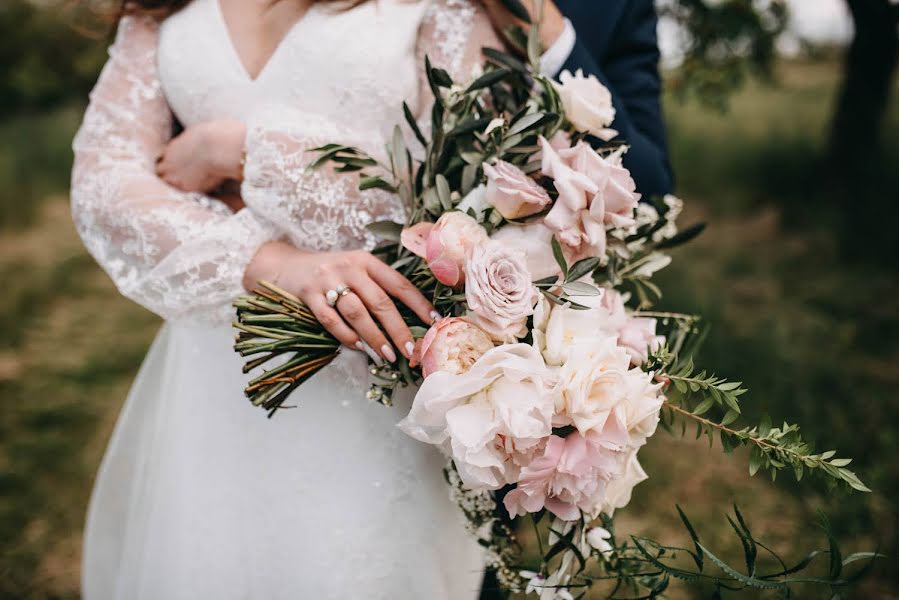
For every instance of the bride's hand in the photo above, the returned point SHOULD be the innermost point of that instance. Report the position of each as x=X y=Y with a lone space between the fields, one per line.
x=550 y=29
x=203 y=156
x=353 y=319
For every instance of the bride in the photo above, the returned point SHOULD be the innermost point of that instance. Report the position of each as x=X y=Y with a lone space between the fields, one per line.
x=199 y=495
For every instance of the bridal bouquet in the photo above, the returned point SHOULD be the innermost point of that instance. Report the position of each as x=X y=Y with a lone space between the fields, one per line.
x=550 y=369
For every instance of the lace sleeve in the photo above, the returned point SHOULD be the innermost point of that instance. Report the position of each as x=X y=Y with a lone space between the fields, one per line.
x=178 y=254
x=323 y=209
x=319 y=210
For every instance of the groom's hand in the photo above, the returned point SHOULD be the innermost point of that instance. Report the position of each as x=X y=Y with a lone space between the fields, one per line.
x=550 y=27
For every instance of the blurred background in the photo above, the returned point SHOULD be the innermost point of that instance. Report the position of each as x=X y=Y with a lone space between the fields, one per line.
x=784 y=130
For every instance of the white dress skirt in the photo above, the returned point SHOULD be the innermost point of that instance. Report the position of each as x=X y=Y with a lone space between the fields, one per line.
x=200 y=495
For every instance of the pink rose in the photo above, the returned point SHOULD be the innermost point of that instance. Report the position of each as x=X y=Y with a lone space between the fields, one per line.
x=595 y=193
x=575 y=192
x=511 y=192
x=616 y=197
x=499 y=291
x=570 y=477
x=445 y=245
x=452 y=345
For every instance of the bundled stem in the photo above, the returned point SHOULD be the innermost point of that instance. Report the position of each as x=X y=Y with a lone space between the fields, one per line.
x=274 y=325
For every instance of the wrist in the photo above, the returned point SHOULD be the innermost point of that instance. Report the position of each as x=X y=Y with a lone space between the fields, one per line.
x=267 y=264
x=552 y=26
x=228 y=147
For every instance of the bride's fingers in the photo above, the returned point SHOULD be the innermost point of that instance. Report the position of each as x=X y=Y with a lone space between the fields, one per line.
x=392 y=282
x=353 y=310
x=331 y=320
x=384 y=310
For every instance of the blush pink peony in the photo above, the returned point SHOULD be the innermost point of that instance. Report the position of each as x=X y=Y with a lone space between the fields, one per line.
x=445 y=245
x=570 y=476
x=452 y=345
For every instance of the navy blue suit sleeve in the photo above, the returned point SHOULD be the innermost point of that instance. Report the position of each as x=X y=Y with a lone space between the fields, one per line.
x=629 y=68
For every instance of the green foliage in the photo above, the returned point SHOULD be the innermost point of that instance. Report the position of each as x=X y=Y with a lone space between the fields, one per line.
x=771 y=448
x=756 y=577
x=726 y=41
x=641 y=567
x=47 y=59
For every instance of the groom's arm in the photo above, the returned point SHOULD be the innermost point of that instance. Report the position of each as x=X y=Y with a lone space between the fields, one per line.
x=629 y=68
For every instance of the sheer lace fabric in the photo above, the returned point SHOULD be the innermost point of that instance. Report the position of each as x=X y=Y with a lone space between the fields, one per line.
x=177 y=254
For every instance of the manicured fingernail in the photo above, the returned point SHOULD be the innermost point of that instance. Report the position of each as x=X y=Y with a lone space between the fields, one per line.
x=388 y=353
x=370 y=352
x=435 y=316
x=410 y=348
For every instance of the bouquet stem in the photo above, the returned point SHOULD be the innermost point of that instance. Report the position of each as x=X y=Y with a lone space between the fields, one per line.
x=278 y=325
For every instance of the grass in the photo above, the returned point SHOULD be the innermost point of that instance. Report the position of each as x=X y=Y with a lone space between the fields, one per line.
x=35 y=158
x=813 y=335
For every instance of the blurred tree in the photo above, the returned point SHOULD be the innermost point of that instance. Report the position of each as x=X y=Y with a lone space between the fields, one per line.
x=47 y=60
x=857 y=182
x=723 y=42
x=870 y=65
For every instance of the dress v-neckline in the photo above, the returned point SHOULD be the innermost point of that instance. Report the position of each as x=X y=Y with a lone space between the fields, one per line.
x=235 y=54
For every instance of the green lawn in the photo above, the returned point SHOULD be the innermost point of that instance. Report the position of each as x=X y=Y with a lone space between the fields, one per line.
x=813 y=335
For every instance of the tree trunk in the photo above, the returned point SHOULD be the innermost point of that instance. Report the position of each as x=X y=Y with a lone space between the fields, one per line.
x=857 y=171
x=869 y=68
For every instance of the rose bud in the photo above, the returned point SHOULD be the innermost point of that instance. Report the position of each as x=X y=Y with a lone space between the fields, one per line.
x=445 y=245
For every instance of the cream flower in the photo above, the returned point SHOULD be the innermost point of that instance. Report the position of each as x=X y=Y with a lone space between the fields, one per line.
x=533 y=240
x=594 y=382
x=490 y=419
x=598 y=538
x=564 y=328
x=587 y=103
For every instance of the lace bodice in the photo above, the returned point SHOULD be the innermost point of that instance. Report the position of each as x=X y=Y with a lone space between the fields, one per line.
x=336 y=77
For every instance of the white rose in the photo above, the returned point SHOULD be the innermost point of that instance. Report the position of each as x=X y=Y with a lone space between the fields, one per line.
x=587 y=103
x=567 y=327
x=640 y=413
x=491 y=418
x=593 y=382
x=499 y=291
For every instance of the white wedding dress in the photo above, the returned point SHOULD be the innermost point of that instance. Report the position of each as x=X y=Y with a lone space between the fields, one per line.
x=200 y=495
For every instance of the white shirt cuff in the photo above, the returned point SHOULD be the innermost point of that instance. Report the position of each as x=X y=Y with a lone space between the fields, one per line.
x=556 y=55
